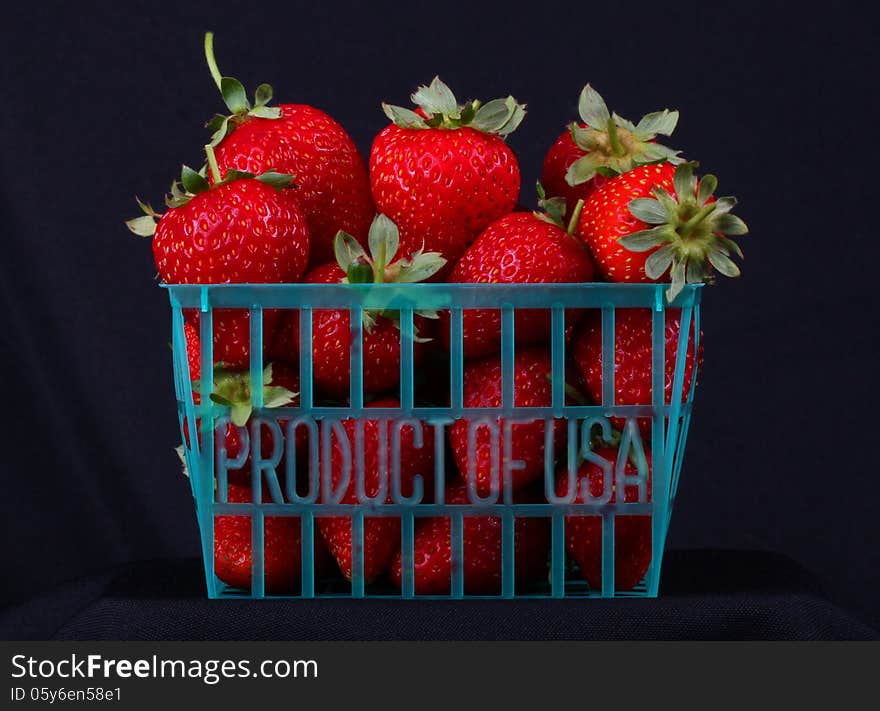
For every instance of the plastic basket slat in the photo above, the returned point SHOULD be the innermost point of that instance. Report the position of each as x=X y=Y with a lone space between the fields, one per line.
x=456 y=561
x=557 y=346
x=356 y=324
x=557 y=555
x=307 y=556
x=305 y=357
x=608 y=571
x=608 y=343
x=406 y=359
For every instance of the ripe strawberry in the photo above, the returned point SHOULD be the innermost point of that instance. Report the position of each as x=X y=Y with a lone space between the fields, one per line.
x=432 y=551
x=656 y=220
x=381 y=534
x=282 y=547
x=444 y=173
x=482 y=388
x=241 y=230
x=334 y=190
x=603 y=145
x=632 y=358
x=331 y=330
x=632 y=533
x=528 y=247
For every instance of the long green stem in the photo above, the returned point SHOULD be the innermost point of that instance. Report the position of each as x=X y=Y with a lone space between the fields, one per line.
x=575 y=216
x=212 y=164
x=212 y=63
x=698 y=217
x=616 y=146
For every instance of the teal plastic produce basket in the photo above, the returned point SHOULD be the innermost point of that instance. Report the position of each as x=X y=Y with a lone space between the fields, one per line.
x=202 y=422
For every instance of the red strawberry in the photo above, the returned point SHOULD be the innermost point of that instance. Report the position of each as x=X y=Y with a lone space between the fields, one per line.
x=331 y=329
x=482 y=550
x=632 y=533
x=520 y=247
x=334 y=190
x=444 y=173
x=656 y=220
x=282 y=547
x=632 y=358
x=243 y=230
x=604 y=144
x=381 y=534
x=482 y=388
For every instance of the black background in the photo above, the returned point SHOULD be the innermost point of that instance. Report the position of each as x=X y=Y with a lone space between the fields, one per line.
x=102 y=102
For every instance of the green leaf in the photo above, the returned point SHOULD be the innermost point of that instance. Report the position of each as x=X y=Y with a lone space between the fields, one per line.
x=648 y=210
x=669 y=203
x=555 y=209
x=518 y=113
x=677 y=274
x=192 y=181
x=658 y=262
x=723 y=264
x=492 y=116
x=729 y=245
x=437 y=99
x=220 y=133
x=622 y=122
x=277 y=396
x=658 y=122
x=644 y=240
x=263 y=95
x=708 y=183
x=219 y=399
x=279 y=181
x=422 y=266
x=582 y=170
x=240 y=413
x=584 y=138
x=696 y=271
x=729 y=224
x=360 y=273
x=348 y=250
x=685 y=182
x=468 y=112
x=724 y=204
x=234 y=95
x=656 y=152
x=216 y=121
x=266 y=112
x=383 y=235
x=403 y=117
x=592 y=108
x=143 y=226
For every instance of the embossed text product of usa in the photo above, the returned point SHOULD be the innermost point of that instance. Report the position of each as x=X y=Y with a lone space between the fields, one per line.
x=290 y=485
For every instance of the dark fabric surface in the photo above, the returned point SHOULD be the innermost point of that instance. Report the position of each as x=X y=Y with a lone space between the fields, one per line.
x=705 y=595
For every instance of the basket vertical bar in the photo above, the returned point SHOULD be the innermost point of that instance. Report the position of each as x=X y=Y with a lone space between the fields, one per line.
x=258 y=581
x=307 y=556
x=407 y=561
x=456 y=358
x=357 y=358
x=406 y=359
x=557 y=555
x=507 y=358
x=205 y=499
x=305 y=357
x=457 y=554
x=557 y=355
x=659 y=477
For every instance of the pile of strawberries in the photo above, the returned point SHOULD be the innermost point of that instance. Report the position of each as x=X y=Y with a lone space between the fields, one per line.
x=284 y=197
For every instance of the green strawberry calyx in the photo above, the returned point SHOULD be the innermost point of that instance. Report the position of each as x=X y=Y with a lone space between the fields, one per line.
x=690 y=228
x=235 y=98
x=378 y=266
x=195 y=182
x=438 y=108
x=615 y=145
x=553 y=211
x=232 y=389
